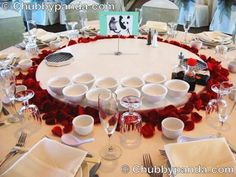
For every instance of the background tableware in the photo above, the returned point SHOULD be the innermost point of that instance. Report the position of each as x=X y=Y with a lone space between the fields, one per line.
x=56 y=84
x=196 y=44
x=123 y=92
x=83 y=124
x=92 y=95
x=107 y=83
x=177 y=88
x=56 y=44
x=84 y=78
x=72 y=140
x=154 y=78
x=25 y=64
x=154 y=92
x=132 y=82
x=232 y=66
x=109 y=115
x=75 y=93
x=172 y=127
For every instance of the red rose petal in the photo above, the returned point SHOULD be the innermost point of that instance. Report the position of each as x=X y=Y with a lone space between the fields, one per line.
x=57 y=131
x=188 y=125
x=196 y=117
x=147 y=130
x=67 y=128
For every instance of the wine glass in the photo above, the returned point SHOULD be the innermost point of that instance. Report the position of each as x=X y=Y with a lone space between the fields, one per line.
x=73 y=33
x=140 y=19
x=83 y=20
x=222 y=89
x=131 y=122
x=188 y=21
x=171 y=29
x=27 y=111
x=109 y=115
x=8 y=88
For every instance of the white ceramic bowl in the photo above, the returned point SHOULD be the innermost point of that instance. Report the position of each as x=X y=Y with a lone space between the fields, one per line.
x=154 y=78
x=177 y=88
x=107 y=83
x=154 y=92
x=132 y=82
x=56 y=84
x=25 y=64
x=92 y=95
x=84 y=78
x=56 y=44
x=123 y=92
x=83 y=124
x=232 y=66
x=196 y=43
x=75 y=93
x=172 y=127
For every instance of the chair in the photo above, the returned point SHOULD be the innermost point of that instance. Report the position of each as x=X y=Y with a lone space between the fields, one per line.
x=12 y=27
x=201 y=13
x=160 y=10
x=224 y=20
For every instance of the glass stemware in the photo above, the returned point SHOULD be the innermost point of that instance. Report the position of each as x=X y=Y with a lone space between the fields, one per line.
x=171 y=29
x=218 y=110
x=131 y=122
x=109 y=115
x=27 y=111
x=188 y=21
x=140 y=19
x=73 y=33
x=83 y=20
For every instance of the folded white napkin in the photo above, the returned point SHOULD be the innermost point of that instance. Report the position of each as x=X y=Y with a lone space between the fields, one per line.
x=214 y=37
x=211 y=153
x=47 y=158
x=160 y=27
x=43 y=35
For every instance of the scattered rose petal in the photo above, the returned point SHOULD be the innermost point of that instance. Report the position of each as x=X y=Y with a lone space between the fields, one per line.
x=57 y=131
x=196 y=117
x=147 y=130
x=188 y=125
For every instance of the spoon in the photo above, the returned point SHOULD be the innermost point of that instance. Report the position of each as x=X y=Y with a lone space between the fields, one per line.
x=72 y=140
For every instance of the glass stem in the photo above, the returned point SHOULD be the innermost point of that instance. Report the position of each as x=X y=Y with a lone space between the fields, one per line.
x=185 y=36
x=110 y=148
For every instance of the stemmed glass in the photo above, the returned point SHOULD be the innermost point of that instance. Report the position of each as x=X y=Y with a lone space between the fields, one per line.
x=83 y=20
x=140 y=18
x=171 y=31
x=27 y=111
x=131 y=122
x=218 y=110
x=8 y=88
x=31 y=45
x=188 y=21
x=109 y=115
x=73 y=33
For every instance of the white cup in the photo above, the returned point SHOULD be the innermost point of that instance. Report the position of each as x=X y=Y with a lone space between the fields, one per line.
x=172 y=127
x=83 y=124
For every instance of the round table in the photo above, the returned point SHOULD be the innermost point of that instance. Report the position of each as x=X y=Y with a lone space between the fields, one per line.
x=137 y=59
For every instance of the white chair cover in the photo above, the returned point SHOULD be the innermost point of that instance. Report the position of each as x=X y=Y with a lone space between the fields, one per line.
x=160 y=10
x=221 y=21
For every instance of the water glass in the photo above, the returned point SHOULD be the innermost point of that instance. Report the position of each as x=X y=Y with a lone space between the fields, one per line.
x=171 y=29
x=83 y=19
x=221 y=51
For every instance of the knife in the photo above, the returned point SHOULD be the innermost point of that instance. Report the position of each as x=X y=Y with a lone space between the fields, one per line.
x=93 y=170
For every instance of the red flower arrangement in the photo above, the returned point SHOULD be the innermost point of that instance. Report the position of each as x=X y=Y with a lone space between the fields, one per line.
x=61 y=114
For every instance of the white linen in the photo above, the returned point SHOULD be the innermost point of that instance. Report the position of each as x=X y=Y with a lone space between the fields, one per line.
x=153 y=25
x=211 y=153
x=215 y=37
x=48 y=158
x=43 y=35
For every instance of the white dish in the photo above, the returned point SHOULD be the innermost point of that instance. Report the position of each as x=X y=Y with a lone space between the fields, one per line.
x=84 y=78
x=154 y=92
x=132 y=82
x=154 y=78
x=25 y=64
x=75 y=93
x=172 y=127
x=123 y=92
x=177 y=88
x=92 y=95
x=83 y=124
x=56 y=84
x=107 y=83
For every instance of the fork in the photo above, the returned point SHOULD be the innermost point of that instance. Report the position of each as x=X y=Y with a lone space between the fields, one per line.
x=147 y=162
x=16 y=149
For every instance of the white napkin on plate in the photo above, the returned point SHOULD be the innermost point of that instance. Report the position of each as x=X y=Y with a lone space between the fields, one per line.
x=214 y=37
x=43 y=35
x=211 y=153
x=160 y=27
x=47 y=158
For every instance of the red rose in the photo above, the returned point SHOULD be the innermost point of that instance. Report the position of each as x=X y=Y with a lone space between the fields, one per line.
x=57 y=131
x=94 y=113
x=196 y=117
x=72 y=42
x=147 y=130
x=31 y=84
x=188 y=125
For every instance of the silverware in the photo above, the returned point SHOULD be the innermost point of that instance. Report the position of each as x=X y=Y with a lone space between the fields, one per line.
x=93 y=170
x=5 y=111
x=147 y=163
x=16 y=149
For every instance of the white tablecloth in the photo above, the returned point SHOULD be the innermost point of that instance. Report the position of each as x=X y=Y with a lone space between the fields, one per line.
x=130 y=157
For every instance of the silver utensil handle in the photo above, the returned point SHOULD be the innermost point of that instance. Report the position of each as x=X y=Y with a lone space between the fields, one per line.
x=8 y=156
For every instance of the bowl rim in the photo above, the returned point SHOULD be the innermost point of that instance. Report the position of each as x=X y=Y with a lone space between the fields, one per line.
x=155 y=85
x=80 y=75
x=175 y=119
x=132 y=77
x=122 y=89
x=21 y=62
x=154 y=73
x=80 y=117
x=105 y=78
x=75 y=85
x=95 y=90
x=58 y=77
x=177 y=80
